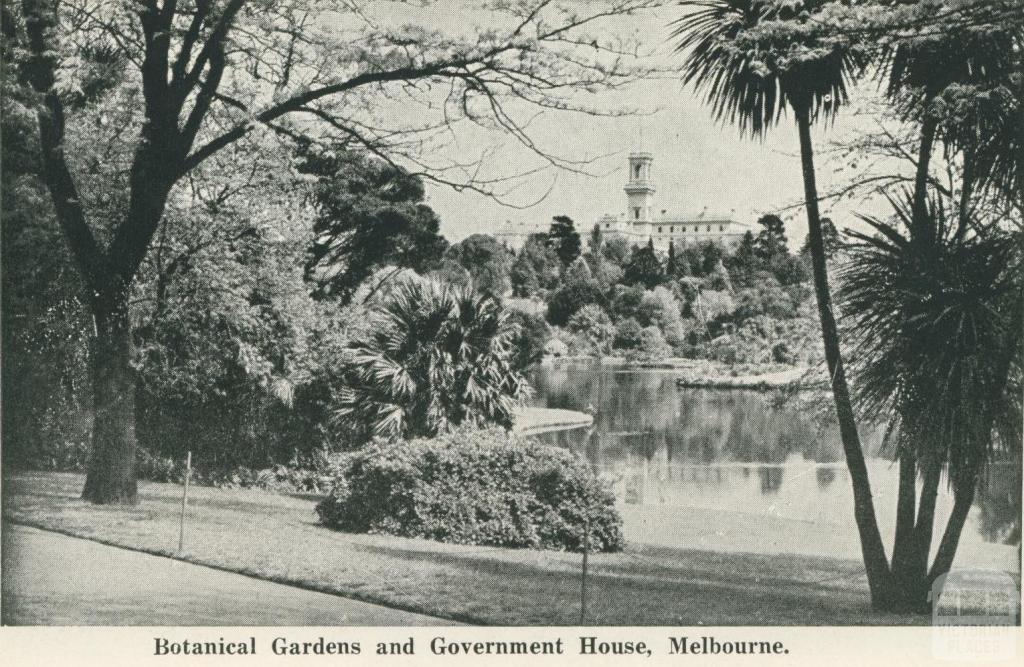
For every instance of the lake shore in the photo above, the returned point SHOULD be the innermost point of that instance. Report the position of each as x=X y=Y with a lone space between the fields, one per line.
x=784 y=379
x=534 y=420
x=277 y=538
x=706 y=374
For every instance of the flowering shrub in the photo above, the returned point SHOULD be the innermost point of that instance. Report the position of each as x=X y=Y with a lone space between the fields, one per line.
x=474 y=487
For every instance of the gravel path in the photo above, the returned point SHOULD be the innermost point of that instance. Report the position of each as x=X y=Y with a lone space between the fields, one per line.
x=52 y=579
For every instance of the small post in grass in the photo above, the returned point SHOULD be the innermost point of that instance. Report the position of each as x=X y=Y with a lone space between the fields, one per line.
x=583 y=577
x=184 y=501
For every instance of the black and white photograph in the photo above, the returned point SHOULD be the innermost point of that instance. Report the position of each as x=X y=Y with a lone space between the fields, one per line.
x=696 y=315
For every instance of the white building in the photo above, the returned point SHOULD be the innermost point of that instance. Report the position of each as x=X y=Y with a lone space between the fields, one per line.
x=514 y=235
x=641 y=222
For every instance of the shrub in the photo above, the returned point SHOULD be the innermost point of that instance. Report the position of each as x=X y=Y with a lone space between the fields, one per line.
x=568 y=299
x=652 y=346
x=627 y=334
x=473 y=487
x=593 y=330
x=528 y=343
x=782 y=353
x=660 y=309
x=626 y=301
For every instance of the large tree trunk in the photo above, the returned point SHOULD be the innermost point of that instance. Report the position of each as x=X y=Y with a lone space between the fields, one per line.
x=111 y=474
x=910 y=570
x=964 y=498
x=872 y=548
x=906 y=505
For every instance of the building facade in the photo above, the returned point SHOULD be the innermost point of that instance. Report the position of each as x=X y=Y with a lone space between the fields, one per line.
x=642 y=222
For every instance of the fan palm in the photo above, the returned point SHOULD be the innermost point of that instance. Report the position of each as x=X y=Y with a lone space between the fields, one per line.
x=936 y=330
x=438 y=356
x=753 y=60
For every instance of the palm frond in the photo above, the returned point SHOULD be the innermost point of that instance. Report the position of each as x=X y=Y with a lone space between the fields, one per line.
x=752 y=58
x=441 y=356
x=935 y=330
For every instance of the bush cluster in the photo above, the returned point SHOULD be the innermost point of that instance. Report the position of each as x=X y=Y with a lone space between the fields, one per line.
x=313 y=473
x=474 y=487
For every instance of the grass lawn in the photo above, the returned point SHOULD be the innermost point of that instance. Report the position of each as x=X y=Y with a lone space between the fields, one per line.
x=278 y=538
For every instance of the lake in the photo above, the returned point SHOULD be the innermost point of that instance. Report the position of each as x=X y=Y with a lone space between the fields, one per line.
x=743 y=470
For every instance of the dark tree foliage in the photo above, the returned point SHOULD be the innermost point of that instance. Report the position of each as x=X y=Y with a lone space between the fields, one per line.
x=487 y=261
x=676 y=266
x=794 y=270
x=829 y=238
x=644 y=267
x=628 y=335
x=45 y=326
x=571 y=297
x=370 y=215
x=744 y=257
x=596 y=240
x=771 y=243
x=536 y=267
x=529 y=341
x=711 y=255
x=693 y=256
x=523 y=276
x=564 y=239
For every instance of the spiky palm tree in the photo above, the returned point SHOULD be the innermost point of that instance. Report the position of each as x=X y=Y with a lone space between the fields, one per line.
x=754 y=60
x=438 y=356
x=956 y=80
x=936 y=329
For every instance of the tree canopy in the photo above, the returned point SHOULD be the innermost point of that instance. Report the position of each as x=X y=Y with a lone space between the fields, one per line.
x=487 y=261
x=370 y=214
x=564 y=239
x=168 y=86
x=644 y=267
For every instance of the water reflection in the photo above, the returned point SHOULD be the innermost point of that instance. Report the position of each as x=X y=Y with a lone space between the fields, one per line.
x=732 y=451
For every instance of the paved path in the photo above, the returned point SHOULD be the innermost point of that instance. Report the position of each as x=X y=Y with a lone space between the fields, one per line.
x=52 y=579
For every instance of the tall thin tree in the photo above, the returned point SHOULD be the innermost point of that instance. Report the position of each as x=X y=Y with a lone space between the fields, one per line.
x=750 y=76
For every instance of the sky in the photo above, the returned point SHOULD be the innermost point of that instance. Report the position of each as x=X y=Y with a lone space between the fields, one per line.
x=698 y=163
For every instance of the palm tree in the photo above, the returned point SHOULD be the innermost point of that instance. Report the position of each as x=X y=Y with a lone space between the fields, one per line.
x=951 y=59
x=956 y=82
x=936 y=331
x=438 y=356
x=751 y=71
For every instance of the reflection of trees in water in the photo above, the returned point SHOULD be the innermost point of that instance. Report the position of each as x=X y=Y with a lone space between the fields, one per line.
x=771 y=478
x=825 y=476
x=643 y=415
x=999 y=502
